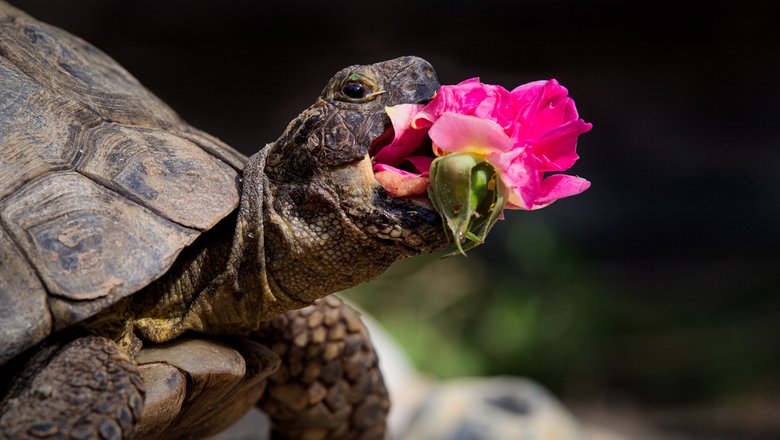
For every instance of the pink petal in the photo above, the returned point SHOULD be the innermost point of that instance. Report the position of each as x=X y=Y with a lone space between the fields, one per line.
x=471 y=81
x=469 y=97
x=555 y=108
x=462 y=98
x=496 y=106
x=558 y=148
x=522 y=173
x=406 y=139
x=558 y=186
x=456 y=133
x=385 y=167
x=400 y=183
x=525 y=99
x=518 y=172
x=523 y=91
x=543 y=106
x=548 y=124
x=421 y=163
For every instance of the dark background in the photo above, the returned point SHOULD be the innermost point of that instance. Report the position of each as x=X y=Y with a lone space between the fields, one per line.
x=652 y=294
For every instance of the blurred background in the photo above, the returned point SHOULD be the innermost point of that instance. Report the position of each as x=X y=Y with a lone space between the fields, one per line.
x=649 y=303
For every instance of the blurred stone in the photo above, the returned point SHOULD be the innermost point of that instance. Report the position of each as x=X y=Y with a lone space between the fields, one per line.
x=501 y=408
x=253 y=426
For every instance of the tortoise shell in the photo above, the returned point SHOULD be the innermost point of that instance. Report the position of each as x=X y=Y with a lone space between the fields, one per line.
x=101 y=183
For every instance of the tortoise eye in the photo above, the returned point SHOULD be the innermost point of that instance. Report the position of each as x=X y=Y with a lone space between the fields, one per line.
x=357 y=89
x=354 y=90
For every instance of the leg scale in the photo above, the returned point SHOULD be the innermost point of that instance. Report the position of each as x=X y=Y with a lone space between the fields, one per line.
x=83 y=389
x=329 y=385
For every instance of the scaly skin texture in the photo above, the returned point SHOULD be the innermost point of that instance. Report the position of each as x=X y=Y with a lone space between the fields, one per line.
x=80 y=389
x=329 y=384
x=312 y=220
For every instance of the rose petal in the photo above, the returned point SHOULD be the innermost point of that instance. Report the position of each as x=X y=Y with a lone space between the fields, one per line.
x=385 y=167
x=558 y=186
x=542 y=106
x=558 y=148
x=518 y=173
x=525 y=99
x=406 y=138
x=469 y=97
x=400 y=183
x=554 y=109
x=453 y=98
x=421 y=163
x=456 y=133
x=497 y=106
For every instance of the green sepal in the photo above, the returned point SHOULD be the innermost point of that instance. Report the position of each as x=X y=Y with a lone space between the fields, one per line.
x=465 y=191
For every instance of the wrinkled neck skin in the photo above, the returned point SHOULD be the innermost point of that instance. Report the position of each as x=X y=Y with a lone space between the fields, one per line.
x=315 y=240
x=291 y=244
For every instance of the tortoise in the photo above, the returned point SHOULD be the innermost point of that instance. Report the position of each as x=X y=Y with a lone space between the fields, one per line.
x=128 y=236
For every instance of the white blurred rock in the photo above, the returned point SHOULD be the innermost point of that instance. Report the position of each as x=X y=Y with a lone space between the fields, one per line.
x=255 y=425
x=500 y=408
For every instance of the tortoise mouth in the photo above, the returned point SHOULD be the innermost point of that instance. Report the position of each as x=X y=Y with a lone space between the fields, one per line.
x=384 y=139
x=404 y=177
x=409 y=224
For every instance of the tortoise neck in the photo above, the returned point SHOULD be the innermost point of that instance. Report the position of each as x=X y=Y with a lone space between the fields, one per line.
x=247 y=281
x=220 y=283
x=175 y=303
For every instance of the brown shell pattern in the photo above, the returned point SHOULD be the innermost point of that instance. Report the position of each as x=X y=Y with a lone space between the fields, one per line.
x=101 y=183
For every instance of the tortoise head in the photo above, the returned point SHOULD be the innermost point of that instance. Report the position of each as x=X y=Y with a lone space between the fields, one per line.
x=328 y=224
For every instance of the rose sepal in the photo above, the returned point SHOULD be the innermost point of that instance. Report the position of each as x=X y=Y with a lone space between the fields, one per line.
x=468 y=196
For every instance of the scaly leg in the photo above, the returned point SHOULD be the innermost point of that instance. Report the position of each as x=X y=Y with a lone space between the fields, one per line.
x=329 y=385
x=88 y=388
x=79 y=389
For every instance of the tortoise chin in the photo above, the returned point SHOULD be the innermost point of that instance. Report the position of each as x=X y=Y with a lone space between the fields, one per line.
x=416 y=226
x=409 y=225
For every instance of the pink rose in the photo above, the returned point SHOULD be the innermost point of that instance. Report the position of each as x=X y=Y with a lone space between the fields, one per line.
x=524 y=134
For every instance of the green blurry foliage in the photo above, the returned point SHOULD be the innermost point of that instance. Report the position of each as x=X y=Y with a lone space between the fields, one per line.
x=519 y=312
x=528 y=304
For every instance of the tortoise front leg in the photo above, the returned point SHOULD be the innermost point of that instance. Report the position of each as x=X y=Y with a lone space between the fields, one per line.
x=329 y=385
x=78 y=389
x=88 y=388
x=197 y=387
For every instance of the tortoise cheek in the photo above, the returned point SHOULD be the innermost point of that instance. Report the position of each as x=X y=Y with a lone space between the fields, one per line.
x=354 y=181
x=343 y=142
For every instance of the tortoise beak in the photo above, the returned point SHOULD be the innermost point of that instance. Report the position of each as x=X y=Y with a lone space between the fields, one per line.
x=412 y=81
